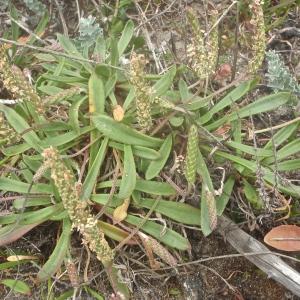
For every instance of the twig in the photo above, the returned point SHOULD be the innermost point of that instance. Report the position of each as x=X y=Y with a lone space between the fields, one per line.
x=220 y=19
x=28 y=30
x=277 y=126
x=138 y=227
x=236 y=45
x=61 y=15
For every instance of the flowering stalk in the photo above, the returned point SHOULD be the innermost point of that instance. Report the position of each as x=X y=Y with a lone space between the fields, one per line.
x=7 y=134
x=258 y=38
x=16 y=83
x=191 y=155
x=202 y=53
x=78 y=211
x=142 y=91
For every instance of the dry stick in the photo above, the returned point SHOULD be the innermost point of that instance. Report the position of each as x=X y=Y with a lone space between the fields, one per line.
x=277 y=126
x=116 y=8
x=41 y=49
x=61 y=15
x=138 y=227
x=226 y=256
x=148 y=39
x=28 y=30
x=157 y=15
x=221 y=18
x=276 y=268
x=236 y=45
x=78 y=13
x=85 y=272
x=163 y=123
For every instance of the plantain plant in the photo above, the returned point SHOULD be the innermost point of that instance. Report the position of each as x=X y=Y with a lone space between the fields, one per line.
x=88 y=150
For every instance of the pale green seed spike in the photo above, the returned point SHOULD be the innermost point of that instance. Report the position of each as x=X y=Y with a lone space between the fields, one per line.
x=143 y=91
x=78 y=210
x=16 y=83
x=202 y=52
x=7 y=133
x=191 y=155
x=258 y=40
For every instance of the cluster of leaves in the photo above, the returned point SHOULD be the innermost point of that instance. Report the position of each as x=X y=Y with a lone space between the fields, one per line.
x=89 y=31
x=279 y=76
x=86 y=120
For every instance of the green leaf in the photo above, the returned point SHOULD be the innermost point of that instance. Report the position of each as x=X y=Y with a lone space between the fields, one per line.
x=207 y=187
x=40 y=215
x=252 y=195
x=165 y=235
x=290 y=149
x=235 y=95
x=183 y=90
x=31 y=217
x=112 y=231
x=137 y=150
x=11 y=264
x=93 y=293
x=288 y=165
x=282 y=135
x=10 y=185
x=100 y=48
x=129 y=174
x=16 y=149
x=96 y=94
x=268 y=175
x=91 y=178
x=62 y=139
x=20 y=126
x=156 y=166
x=163 y=84
x=155 y=187
x=222 y=200
x=31 y=202
x=58 y=255
x=125 y=37
x=114 y=53
x=71 y=49
x=74 y=112
x=180 y=212
x=17 y=286
x=122 y=133
x=257 y=152
x=13 y=232
x=145 y=186
x=205 y=214
x=129 y=98
x=66 y=295
x=261 y=105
